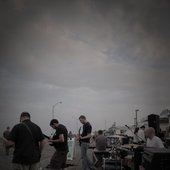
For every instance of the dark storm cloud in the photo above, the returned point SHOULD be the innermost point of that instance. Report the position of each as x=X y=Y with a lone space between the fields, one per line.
x=141 y=29
x=99 y=56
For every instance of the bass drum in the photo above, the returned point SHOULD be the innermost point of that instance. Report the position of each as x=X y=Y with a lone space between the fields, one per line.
x=111 y=164
x=128 y=162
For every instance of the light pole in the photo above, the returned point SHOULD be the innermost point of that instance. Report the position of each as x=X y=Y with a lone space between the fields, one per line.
x=136 y=114
x=105 y=124
x=53 y=106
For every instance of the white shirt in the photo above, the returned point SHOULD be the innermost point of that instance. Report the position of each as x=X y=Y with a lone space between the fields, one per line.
x=141 y=135
x=135 y=138
x=155 y=142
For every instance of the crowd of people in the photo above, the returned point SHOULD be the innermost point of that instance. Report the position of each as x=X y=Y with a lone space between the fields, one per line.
x=28 y=141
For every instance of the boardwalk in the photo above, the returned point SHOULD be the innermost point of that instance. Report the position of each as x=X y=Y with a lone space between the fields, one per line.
x=5 y=161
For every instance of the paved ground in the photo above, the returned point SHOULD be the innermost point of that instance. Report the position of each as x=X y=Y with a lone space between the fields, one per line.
x=5 y=161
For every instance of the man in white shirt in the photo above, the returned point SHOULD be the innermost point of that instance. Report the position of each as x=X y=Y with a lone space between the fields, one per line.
x=152 y=140
x=141 y=134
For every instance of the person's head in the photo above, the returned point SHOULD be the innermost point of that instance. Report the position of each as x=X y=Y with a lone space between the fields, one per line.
x=150 y=132
x=100 y=132
x=8 y=128
x=136 y=130
x=82 y=119
x=54 y=123
x=24 y=116
x=142 y=127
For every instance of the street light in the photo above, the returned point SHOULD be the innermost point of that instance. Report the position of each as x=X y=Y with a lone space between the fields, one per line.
x=105 y=124
x=53 y=106
x=136 y=112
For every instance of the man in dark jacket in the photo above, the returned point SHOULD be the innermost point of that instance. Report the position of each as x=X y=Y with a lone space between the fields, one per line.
x=28 y=140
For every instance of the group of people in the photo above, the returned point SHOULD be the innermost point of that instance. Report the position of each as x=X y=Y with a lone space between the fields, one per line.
x=28 y=141
x=147 y=135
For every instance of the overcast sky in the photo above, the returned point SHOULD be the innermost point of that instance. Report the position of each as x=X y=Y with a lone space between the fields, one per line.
x=101 y=58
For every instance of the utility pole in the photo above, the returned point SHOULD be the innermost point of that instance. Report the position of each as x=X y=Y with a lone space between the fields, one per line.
x=105 y=124
x=136 y=117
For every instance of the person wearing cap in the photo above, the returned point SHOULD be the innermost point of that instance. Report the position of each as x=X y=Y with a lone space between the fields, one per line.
x=28 y=140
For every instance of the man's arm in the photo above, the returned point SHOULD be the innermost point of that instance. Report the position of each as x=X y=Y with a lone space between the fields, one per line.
x=60 y=139
x=8 y=142
x=41 y=145
x=86 y=137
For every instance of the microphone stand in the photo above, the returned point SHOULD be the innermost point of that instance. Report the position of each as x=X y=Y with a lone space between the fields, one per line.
x=140 y=142
x=137 y=153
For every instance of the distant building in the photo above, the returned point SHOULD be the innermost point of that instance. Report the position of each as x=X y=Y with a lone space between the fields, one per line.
x=165 y=112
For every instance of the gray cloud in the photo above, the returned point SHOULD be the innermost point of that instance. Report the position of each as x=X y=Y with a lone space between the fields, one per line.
x=104 y=59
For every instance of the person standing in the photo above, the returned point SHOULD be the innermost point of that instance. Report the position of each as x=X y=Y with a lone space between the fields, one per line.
x=28 y=140
x=70 y=135
x=84 y=139
x=141 y=134
x=135 y=136
x=59 y=141
x=6 y=136
x=152 y=140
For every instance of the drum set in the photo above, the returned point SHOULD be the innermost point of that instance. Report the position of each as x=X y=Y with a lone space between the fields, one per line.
x=118 y=158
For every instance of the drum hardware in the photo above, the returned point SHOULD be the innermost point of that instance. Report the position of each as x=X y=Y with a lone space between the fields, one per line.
x=115 y=160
